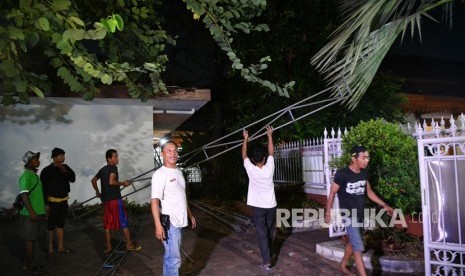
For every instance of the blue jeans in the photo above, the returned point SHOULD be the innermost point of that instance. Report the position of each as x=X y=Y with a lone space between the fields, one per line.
x=355 y=237
x=172 y=256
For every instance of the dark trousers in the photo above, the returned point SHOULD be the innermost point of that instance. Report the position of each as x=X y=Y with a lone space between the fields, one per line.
x=265 y=226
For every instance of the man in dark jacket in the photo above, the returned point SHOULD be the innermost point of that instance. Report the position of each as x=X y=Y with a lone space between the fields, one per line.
x=55 y=179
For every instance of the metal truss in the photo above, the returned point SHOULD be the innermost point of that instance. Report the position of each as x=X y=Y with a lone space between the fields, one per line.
x=226 y=143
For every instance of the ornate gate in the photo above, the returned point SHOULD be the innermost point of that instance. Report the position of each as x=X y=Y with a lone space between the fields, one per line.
x=441 y=153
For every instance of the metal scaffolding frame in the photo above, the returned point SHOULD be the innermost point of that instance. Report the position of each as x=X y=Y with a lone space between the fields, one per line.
x=226 y=143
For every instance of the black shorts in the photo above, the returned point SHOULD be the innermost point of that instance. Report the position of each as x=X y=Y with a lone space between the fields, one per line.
x=58 y=214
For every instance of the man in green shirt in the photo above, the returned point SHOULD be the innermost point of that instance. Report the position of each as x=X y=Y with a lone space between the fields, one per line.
x=33 y=212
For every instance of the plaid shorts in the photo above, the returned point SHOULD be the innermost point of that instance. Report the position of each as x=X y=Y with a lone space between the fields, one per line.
x=29 y=230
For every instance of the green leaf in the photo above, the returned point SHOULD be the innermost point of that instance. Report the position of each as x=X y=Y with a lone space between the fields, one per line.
x=15 y=33
x=20 y=84
x=231 y=55
x=43 y=24
x=100 y=34
x=24 y=4
x=56 y=62
x=57 y=37
x=62 y=72
x=33 y=38
x=61 y=5
x=105 y=24
x=150 y=66
x=106 y=79
x=65 y=47
x=77 y=20
x=238 y=66
x=13 y=48
x=89 y=68
x=77 y=34
x=119 y=21
x=120 y=3
x=79 y=61
x=9 y=69
x=37 y=91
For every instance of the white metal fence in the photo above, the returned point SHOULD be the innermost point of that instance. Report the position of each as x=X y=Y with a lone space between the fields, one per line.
x=308 y=162
x=303 y=161
x=288 y=163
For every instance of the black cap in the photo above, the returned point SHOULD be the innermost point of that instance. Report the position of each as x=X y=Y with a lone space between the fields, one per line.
x=57 y=151
x=357 y=149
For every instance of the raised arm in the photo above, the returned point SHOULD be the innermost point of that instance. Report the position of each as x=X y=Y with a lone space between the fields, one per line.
x=269 y=133
x=244 y=145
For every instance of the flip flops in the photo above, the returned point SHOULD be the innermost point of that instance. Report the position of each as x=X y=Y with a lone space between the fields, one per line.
x=134 y=248
x=51 y=257
x=66 y=251
x=36 y=270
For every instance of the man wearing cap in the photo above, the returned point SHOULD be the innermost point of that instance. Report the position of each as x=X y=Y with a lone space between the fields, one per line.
x=33 y=213
x=352 y=186
x=56 y=178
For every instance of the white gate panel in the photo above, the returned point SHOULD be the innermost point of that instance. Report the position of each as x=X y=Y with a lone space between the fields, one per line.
x=442 y=176
x=333 y=149
x=312 y=166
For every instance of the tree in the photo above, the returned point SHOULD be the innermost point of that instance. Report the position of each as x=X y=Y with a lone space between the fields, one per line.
x=360 y=43
x=88 y=44
x=299 y=27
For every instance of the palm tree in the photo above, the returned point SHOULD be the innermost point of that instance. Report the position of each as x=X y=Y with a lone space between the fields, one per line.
x=352 y=57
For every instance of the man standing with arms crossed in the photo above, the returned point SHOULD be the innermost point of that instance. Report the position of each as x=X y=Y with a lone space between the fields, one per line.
x=169 y=193
x=352 y=186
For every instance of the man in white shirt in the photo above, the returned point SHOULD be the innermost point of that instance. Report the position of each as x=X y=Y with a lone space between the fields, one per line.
x=169 y=193
x=261 y=196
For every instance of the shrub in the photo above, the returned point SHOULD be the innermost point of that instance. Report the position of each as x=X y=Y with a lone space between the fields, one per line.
x=394 y=171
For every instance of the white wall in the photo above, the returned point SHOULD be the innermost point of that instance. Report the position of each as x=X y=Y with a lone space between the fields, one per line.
x=85 y=132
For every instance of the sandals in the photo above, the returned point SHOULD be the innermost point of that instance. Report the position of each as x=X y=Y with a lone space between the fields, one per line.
x=51 y=257
x=67 y=250
x=134 y=248
x=36 y=270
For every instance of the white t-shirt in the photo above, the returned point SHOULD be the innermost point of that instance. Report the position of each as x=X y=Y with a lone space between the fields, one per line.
x=261 y=186
x=169 y=186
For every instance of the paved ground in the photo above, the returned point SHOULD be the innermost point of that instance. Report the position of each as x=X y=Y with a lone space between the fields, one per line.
x=214 y=248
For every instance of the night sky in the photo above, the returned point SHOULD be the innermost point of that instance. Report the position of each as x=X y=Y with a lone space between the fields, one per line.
x=438 y=40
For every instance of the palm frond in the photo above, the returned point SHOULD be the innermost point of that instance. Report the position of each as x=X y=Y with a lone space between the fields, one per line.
x=353 y=55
